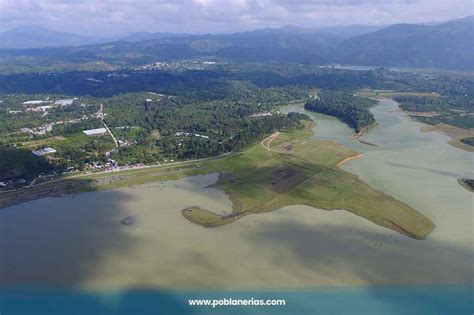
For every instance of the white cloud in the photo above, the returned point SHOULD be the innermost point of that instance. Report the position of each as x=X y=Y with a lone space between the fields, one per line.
x=199 y=16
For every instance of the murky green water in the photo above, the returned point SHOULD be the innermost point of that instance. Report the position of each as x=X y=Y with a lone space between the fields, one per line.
x=418 y=168
x=79 y=242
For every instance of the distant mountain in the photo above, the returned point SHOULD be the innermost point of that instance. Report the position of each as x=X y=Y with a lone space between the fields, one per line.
x=445 y=45
x=139 y=36
x=34 y=37
x=348 y=31
x=286 y=44
x=342 y=31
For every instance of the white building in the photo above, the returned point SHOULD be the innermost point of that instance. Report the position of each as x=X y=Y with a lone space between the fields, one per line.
x=65 y=102
x=35 y=102
x=44 y=151
x=95 y=132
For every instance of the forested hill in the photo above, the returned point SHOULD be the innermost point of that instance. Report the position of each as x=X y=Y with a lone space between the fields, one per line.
x=447 y=45
x=353 y=110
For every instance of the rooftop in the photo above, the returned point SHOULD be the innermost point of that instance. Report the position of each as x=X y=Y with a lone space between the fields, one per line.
x=92 y=132
x=44 y=151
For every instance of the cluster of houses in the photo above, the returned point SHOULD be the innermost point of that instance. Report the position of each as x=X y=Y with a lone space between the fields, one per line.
x=63 y=102
x=39 y=131
x=44 y=108
x=178 y=65
x=108 y=166
x=42 y=130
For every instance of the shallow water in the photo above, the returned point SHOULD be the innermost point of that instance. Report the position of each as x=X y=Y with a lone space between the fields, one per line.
x=78 y=242
x=418 y=168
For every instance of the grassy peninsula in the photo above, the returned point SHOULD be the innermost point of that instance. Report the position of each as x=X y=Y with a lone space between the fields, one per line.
x=291 y=169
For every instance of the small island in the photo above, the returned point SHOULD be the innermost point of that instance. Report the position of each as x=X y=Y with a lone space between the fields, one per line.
x=467 y=183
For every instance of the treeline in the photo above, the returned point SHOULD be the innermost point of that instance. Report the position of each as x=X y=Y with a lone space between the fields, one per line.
x=18 y=163
x=173 y=128
x=352 y=110
x=456 y=110
x=220 y=82
x=192 y=147
x=204 y=85
x=468 y=141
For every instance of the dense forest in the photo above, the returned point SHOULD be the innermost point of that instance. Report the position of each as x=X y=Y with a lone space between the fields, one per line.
x=223 y=81
x=352 y=110
x=175 y=128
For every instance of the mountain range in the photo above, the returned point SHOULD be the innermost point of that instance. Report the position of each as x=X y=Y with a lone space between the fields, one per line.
x=35 y=37
x=446 y=45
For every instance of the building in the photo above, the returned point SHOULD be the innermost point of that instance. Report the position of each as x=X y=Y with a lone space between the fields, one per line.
x=36 y=102
x=261 y=114
x=95 y=132
x=44 y=151
x=65 y=102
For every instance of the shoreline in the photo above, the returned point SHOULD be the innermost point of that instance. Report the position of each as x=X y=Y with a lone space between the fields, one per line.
x=349 y=158
x=361 y=132
x=454 y=133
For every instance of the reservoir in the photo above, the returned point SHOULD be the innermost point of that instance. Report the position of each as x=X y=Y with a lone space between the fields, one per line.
x=313 y=258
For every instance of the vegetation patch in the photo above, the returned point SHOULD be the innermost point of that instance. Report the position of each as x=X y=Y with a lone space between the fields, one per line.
x=467 y=183
x=350 y=109
x=206 y=218
x=468 y=141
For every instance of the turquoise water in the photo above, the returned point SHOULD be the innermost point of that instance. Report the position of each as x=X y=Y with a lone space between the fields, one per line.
x=416 y=300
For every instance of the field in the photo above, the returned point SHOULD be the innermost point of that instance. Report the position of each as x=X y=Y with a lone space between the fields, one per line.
x=392 y=93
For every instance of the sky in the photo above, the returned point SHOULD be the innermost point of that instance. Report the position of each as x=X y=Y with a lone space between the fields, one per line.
x=120 y=17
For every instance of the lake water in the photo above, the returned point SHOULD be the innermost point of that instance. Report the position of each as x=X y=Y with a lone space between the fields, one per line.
x=73 y=253
x=418 y=168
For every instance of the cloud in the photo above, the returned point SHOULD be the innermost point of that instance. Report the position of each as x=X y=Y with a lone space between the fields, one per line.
x=112 y=17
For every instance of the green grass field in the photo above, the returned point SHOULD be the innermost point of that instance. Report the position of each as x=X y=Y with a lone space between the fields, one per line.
x=391 y=93
x=300 y=171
